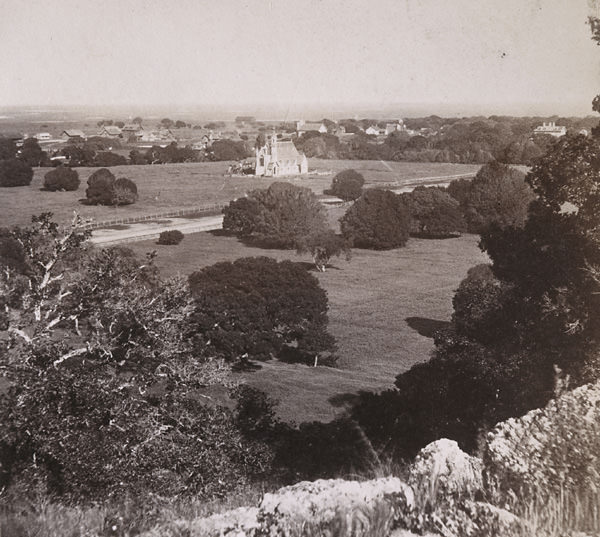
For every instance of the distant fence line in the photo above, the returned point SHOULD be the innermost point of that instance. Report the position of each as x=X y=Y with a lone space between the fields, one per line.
x=188 y=211
x=425 y=181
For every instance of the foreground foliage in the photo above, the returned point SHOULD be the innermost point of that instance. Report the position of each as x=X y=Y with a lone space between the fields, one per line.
x=106 y=395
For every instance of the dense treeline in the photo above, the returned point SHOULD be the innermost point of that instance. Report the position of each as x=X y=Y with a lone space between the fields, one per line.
x=434 y=139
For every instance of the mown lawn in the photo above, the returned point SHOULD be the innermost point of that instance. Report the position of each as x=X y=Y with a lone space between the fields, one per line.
x=378 y=301
x=171 y=186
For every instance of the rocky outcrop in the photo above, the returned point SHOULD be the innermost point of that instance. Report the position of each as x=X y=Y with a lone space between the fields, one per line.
x=548 y=462
x=335 y=507
x=442 y=471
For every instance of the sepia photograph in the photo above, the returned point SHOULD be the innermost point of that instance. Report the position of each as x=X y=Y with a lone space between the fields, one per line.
x=300 y=268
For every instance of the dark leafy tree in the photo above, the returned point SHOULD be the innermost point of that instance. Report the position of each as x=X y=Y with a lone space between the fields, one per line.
x=166 y=123
x=347 y=185
x=14 y=172
x=279 y=216
x=100 y=370
x=180 y=124
x=79 y=155
x=517 y=325
x=379 y=219
x=434 y=213
x=498 y=194
x=104 y=189
x=135 y=157
x=61 y=178
x=257 y=308
x=323 y=246
x=8 y=149
x=228 y=150
x=107 y=159
x=32 y=154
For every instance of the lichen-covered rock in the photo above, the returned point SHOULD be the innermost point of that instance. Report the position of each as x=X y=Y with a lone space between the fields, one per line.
x=335 y=507
x=442 y=471
x=548 y=461
x=476 y=519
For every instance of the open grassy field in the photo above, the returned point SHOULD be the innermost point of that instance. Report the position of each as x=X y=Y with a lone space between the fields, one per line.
x=383 y=307
x=173 y=186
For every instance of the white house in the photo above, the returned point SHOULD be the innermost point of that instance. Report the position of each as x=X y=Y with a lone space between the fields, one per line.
x=306 y=126
x=42 y=136
x=373 y=129
x=279 y=158
x=551 y=128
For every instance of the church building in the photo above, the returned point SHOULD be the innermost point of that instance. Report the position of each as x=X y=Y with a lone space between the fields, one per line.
x=280 y=158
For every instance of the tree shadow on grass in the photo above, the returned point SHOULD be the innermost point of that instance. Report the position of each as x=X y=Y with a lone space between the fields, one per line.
x=344 y=400
x=221 y=233
x=427 y=327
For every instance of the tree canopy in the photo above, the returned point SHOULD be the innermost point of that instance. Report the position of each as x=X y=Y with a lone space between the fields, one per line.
x=498 y=194
x=434 y=213
x=379 y=219
x=61 y=178
x=104 y=189
x=347 y=185
x=15 y=172
x=278 y=216
x=258 y=309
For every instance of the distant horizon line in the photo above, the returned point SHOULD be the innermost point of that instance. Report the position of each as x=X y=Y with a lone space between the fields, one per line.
x=301 y=110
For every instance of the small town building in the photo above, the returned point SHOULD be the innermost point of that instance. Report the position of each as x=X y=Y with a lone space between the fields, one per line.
x=307 y=126
x=551 y=128
x=110 y=131
x=394 y=127
x=73 y=135
x=374 y=130
x=160 y=136
x=42 y=136
x=277 y=158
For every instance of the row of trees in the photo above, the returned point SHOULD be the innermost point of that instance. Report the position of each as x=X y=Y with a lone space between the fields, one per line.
x=287 y=216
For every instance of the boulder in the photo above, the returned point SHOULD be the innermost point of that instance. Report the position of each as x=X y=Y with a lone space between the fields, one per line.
x=335 y=507
x=442 y=471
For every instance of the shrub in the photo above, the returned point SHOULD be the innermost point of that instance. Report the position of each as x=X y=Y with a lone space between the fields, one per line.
x=104 y=189
x=173 y=236
x=378 y=220
x=61 y=178
x=347 y=185
x=15 y=172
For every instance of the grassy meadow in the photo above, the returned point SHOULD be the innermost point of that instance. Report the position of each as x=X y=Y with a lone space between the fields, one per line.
x=167 y=187
x=383 y=308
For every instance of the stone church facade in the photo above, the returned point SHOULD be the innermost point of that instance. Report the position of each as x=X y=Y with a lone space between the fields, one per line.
x=279 y=158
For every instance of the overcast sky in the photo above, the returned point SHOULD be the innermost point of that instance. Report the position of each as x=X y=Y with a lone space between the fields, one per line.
x=377 y=52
